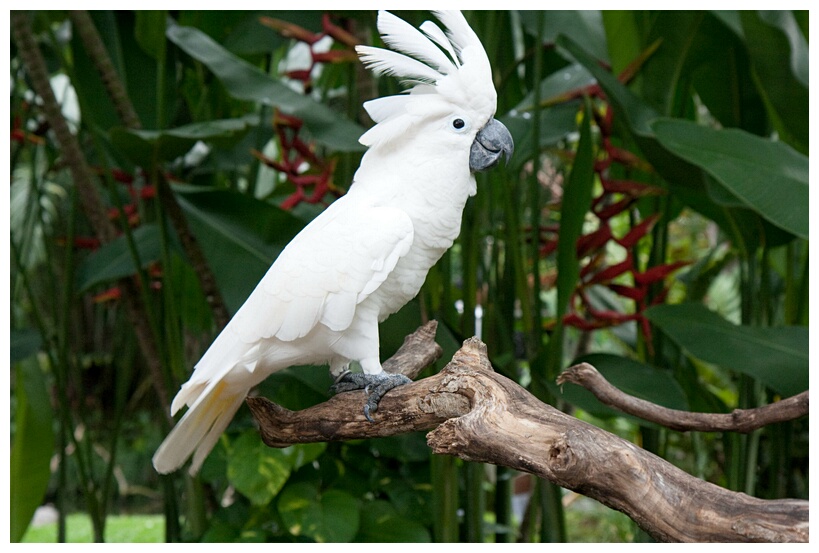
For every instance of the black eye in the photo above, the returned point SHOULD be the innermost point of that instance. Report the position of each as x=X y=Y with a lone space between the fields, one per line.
x=458 y=123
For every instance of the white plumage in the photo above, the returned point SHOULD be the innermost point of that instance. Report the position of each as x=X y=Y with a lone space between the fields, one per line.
x=368 y=253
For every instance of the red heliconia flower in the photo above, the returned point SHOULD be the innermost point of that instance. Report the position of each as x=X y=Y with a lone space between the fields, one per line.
x=86 y=242
x=337 y=33
x=111 y=294
x=624 y=278
x=295 y=152
x=290 y=30
x=147 y=192
x=658 y=273
x=637 y=232
x=593 y=241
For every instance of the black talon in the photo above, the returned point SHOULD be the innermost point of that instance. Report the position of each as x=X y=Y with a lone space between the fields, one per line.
x=375 y=386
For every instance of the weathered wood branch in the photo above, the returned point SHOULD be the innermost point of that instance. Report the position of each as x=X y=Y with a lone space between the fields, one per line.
x=342 y=416
x=479 y=415
x=739 y=420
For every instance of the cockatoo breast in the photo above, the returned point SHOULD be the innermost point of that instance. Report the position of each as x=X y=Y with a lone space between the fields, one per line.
x=432 y=190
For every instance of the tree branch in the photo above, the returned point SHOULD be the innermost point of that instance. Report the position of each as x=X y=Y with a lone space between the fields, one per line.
x=739 y=420
x=482 y=416
x=342 y=416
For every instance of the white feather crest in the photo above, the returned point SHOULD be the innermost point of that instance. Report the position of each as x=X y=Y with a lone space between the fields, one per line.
x=434 y=32
x=447 y=67
x=403 y=37
x=420 y=56
x=386 y=62
x=458 y=31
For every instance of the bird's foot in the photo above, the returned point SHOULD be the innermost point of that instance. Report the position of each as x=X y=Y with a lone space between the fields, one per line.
x=374 y=385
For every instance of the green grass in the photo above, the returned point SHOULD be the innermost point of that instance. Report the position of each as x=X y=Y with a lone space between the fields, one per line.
x=119 y=529
x=586 y=521
x=589 y=521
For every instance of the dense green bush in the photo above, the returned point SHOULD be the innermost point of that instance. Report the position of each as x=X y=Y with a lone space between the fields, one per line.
x=653 y=221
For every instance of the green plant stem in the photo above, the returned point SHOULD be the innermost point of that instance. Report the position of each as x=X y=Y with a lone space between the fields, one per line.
x=72 y=154
x=801 y=312
x=445 y=497
x=475 y=502
x=514 y=254
x=65 y=325
x=534 y=186
x=504 y=489
x=95 y=48
x=51 y=350
x=553 y=523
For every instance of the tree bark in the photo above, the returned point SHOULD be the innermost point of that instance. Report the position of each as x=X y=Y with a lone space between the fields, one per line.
x=738 y=420
x=479 y=415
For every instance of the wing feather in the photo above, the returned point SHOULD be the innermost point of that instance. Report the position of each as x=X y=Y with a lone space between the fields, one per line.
x=334 y=264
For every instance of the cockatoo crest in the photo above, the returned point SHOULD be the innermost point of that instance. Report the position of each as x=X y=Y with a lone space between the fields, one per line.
x=447 y=71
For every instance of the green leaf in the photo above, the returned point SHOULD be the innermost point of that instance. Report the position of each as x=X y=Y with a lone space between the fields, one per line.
x=113 y=261
x=246 y=82
x=258 y=472
x=636 y=115
x=149 y=31
x=32 y=446
x=146 y=147
x=776 y=356
x=779 y=55
x=769 y=177
x=557 y=121
x=562 y=81
x=381 y=523
x=297 y=387
x=577 y=195
x=632 y=377
x=628 y=106
x=24 y=343
x=724 y=82
x=623 y=25
x=250 y=37
x=576 y=203
x=667 y=69
x=239 y=235
x=583 y=26
x=303 y=454
x=331 y=517
x=97 y=108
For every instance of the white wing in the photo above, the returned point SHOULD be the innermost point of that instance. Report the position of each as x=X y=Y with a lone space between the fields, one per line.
x=335 y=263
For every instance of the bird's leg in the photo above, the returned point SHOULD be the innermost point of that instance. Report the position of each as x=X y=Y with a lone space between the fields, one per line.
x=374 y=385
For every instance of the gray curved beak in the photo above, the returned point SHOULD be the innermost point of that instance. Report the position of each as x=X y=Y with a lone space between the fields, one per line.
x=491 y=142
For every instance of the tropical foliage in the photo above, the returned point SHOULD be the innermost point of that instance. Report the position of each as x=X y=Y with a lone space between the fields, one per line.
x=653 y=221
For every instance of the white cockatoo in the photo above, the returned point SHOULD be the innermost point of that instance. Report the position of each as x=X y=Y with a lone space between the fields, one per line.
x=368 y=253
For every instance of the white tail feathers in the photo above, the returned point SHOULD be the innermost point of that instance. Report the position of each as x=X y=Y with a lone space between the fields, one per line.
x=200 y=428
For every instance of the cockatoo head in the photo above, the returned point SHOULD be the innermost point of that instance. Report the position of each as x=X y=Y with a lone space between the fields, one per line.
x=451 y=100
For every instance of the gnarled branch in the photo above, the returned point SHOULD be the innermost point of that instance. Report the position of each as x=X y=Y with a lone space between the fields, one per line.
x=479 y=415
x=739 y=420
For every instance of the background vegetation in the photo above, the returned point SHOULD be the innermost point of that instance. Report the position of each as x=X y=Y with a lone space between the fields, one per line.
x=653 y=221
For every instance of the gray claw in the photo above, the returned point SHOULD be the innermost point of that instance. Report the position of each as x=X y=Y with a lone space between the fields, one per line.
x=375 y=386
